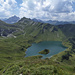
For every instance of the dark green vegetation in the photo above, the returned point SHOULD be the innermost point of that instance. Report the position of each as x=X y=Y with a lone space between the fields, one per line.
x=45 y=51
x=24 y=33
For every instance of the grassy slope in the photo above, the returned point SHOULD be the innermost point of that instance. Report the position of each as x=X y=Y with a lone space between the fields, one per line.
x=34 y=65
x=12 y=49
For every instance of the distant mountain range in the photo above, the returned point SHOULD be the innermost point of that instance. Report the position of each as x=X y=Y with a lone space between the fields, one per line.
x=37 y=20
x=11 y=20
x=54 y=22
x=15 y=19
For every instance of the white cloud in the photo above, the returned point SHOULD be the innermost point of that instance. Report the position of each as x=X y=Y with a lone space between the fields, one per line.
x=48 y=9
x=7 y=7
x=40 y=9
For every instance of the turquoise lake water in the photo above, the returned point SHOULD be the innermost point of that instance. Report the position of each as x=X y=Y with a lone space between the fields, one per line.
x=54 y=46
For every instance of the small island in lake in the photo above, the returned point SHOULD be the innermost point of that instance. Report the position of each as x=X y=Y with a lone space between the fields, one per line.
x=45 y=51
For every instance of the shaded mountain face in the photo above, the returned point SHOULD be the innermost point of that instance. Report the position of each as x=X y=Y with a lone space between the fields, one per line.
x=12 y=20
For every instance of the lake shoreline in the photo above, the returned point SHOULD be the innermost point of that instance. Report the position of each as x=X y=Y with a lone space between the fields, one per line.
x=45 y=44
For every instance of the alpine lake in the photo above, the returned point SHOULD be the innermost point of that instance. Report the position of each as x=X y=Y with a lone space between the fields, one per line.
x=55 y=47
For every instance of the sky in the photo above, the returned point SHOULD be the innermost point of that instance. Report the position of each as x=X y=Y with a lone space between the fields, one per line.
x=62 y=10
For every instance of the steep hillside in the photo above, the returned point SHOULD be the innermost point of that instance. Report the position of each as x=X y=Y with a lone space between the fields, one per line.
x=42 y=31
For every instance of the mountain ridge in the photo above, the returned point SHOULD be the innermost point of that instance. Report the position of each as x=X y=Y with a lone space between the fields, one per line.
x=38 y=28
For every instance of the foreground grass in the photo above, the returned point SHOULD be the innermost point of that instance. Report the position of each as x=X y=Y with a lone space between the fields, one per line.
x=34 y=66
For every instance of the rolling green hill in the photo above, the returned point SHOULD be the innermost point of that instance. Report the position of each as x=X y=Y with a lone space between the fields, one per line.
x=20 y=36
